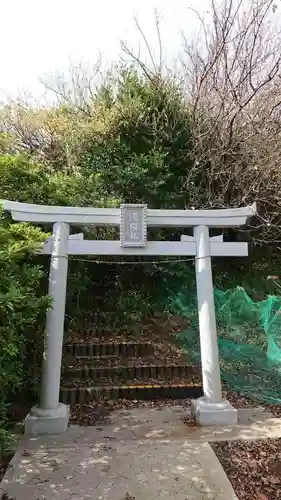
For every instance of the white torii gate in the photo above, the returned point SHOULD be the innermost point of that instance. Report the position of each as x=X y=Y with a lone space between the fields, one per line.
x=51 y=416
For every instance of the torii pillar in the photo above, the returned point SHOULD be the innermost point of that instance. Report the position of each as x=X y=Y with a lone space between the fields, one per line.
x=211 y=409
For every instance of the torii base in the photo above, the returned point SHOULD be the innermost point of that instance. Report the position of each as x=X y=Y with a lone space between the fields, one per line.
x=41 y=422
x=206 y=413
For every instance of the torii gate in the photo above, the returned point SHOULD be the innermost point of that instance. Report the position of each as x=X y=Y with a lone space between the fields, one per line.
x=51 y=416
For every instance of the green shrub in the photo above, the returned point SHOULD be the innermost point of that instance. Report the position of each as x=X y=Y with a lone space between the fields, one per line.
x=23 y=180
x=21 y=302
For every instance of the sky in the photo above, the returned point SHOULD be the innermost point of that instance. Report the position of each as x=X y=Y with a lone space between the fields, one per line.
x=41 y=37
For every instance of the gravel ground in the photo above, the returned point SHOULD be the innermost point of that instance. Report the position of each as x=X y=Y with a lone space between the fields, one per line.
x=241 y=401
x=99 y=412
x=253 y=467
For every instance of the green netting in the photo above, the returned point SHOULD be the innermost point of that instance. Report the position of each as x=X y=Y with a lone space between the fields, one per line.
x=249 y=337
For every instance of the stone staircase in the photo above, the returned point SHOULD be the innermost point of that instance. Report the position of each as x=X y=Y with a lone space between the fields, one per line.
x=125 y=370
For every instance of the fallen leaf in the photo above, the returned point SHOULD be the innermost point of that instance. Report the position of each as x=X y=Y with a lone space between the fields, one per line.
x=274 y=480
x=252 y=463
x=129 y=497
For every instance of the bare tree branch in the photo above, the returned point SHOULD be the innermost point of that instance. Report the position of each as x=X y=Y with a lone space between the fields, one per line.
x=233 y=83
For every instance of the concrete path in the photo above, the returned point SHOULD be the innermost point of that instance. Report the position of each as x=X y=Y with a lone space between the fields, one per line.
x=141 y=454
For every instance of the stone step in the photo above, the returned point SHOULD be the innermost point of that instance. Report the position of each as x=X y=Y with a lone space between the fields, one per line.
x=154 y=391
x=109 y=349
x=125 y=372
x=115 y=361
